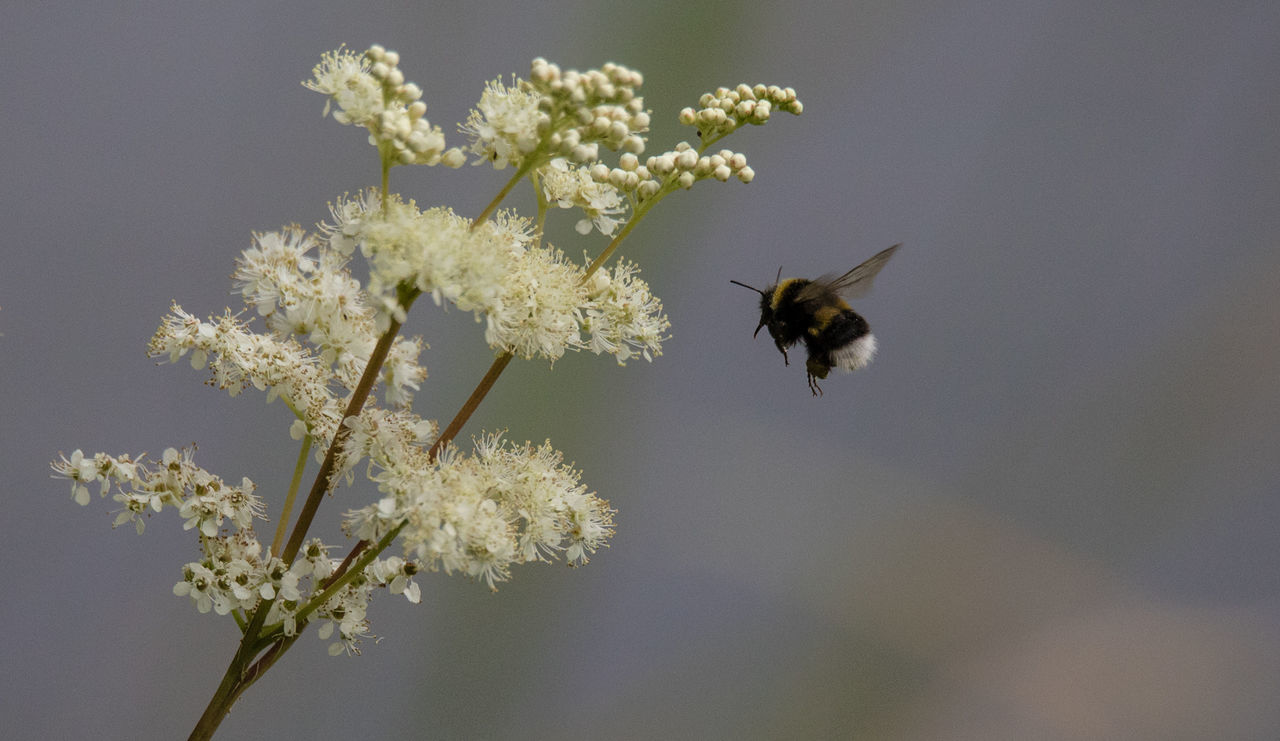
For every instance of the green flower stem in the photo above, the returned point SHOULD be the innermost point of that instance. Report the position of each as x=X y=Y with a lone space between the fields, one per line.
x=477 y=396
x=298 y=469
x=317 y=601
x=237 y=677
x=637 y=214
x=358 y=397
x=525 y=168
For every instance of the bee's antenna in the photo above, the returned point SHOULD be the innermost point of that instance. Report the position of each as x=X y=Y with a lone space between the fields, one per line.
x=744 y=285
x=779 y=278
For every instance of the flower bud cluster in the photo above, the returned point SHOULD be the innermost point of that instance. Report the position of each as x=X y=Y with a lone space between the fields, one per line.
x=724 y=110
x=558 y=114
x=681 y=167
x=370 y=91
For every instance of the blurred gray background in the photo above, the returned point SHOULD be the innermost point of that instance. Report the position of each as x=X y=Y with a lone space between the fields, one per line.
x=1048 y=510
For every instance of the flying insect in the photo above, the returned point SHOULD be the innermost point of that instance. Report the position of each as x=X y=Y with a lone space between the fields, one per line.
x=817 y=313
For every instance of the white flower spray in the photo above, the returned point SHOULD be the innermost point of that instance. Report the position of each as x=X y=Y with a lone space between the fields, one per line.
x=327 y=341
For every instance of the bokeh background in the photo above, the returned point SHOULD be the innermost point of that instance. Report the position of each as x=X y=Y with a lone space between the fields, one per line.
x=1048 y=510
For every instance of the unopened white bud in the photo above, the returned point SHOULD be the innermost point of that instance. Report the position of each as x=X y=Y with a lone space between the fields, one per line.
x=598 y=282
x=633 y=144
x=454 y=158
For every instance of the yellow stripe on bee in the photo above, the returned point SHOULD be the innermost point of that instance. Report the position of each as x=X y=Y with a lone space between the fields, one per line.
x=778 y=290
x=822 y=317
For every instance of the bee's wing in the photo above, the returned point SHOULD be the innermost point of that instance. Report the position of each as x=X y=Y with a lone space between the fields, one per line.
x=853 y=284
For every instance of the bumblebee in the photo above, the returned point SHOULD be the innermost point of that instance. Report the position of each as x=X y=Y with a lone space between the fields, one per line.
x=817 y=313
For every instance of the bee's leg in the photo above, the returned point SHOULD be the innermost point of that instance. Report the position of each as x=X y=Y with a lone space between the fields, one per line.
x=783 y=350
x=816 y=368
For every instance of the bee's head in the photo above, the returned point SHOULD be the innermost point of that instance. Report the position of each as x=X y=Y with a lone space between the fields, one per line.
x=766 y=305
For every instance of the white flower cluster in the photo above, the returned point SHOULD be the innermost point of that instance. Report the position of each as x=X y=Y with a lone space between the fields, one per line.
x=236 y=572
x=240 y=358
x=304 y=290
x=558 y=114
x=622 y=317
x=314 y=296
x=370 y=91
x=435 y=252
x=535 y=302
x=480 y=514
x=724 y=110
x=203 y=499
x=571 y=186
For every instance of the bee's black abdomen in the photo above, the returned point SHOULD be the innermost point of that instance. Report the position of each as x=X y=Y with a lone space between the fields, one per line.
x=841 y=339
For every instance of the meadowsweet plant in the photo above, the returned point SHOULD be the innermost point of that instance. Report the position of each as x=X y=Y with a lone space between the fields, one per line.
x=329 y=347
